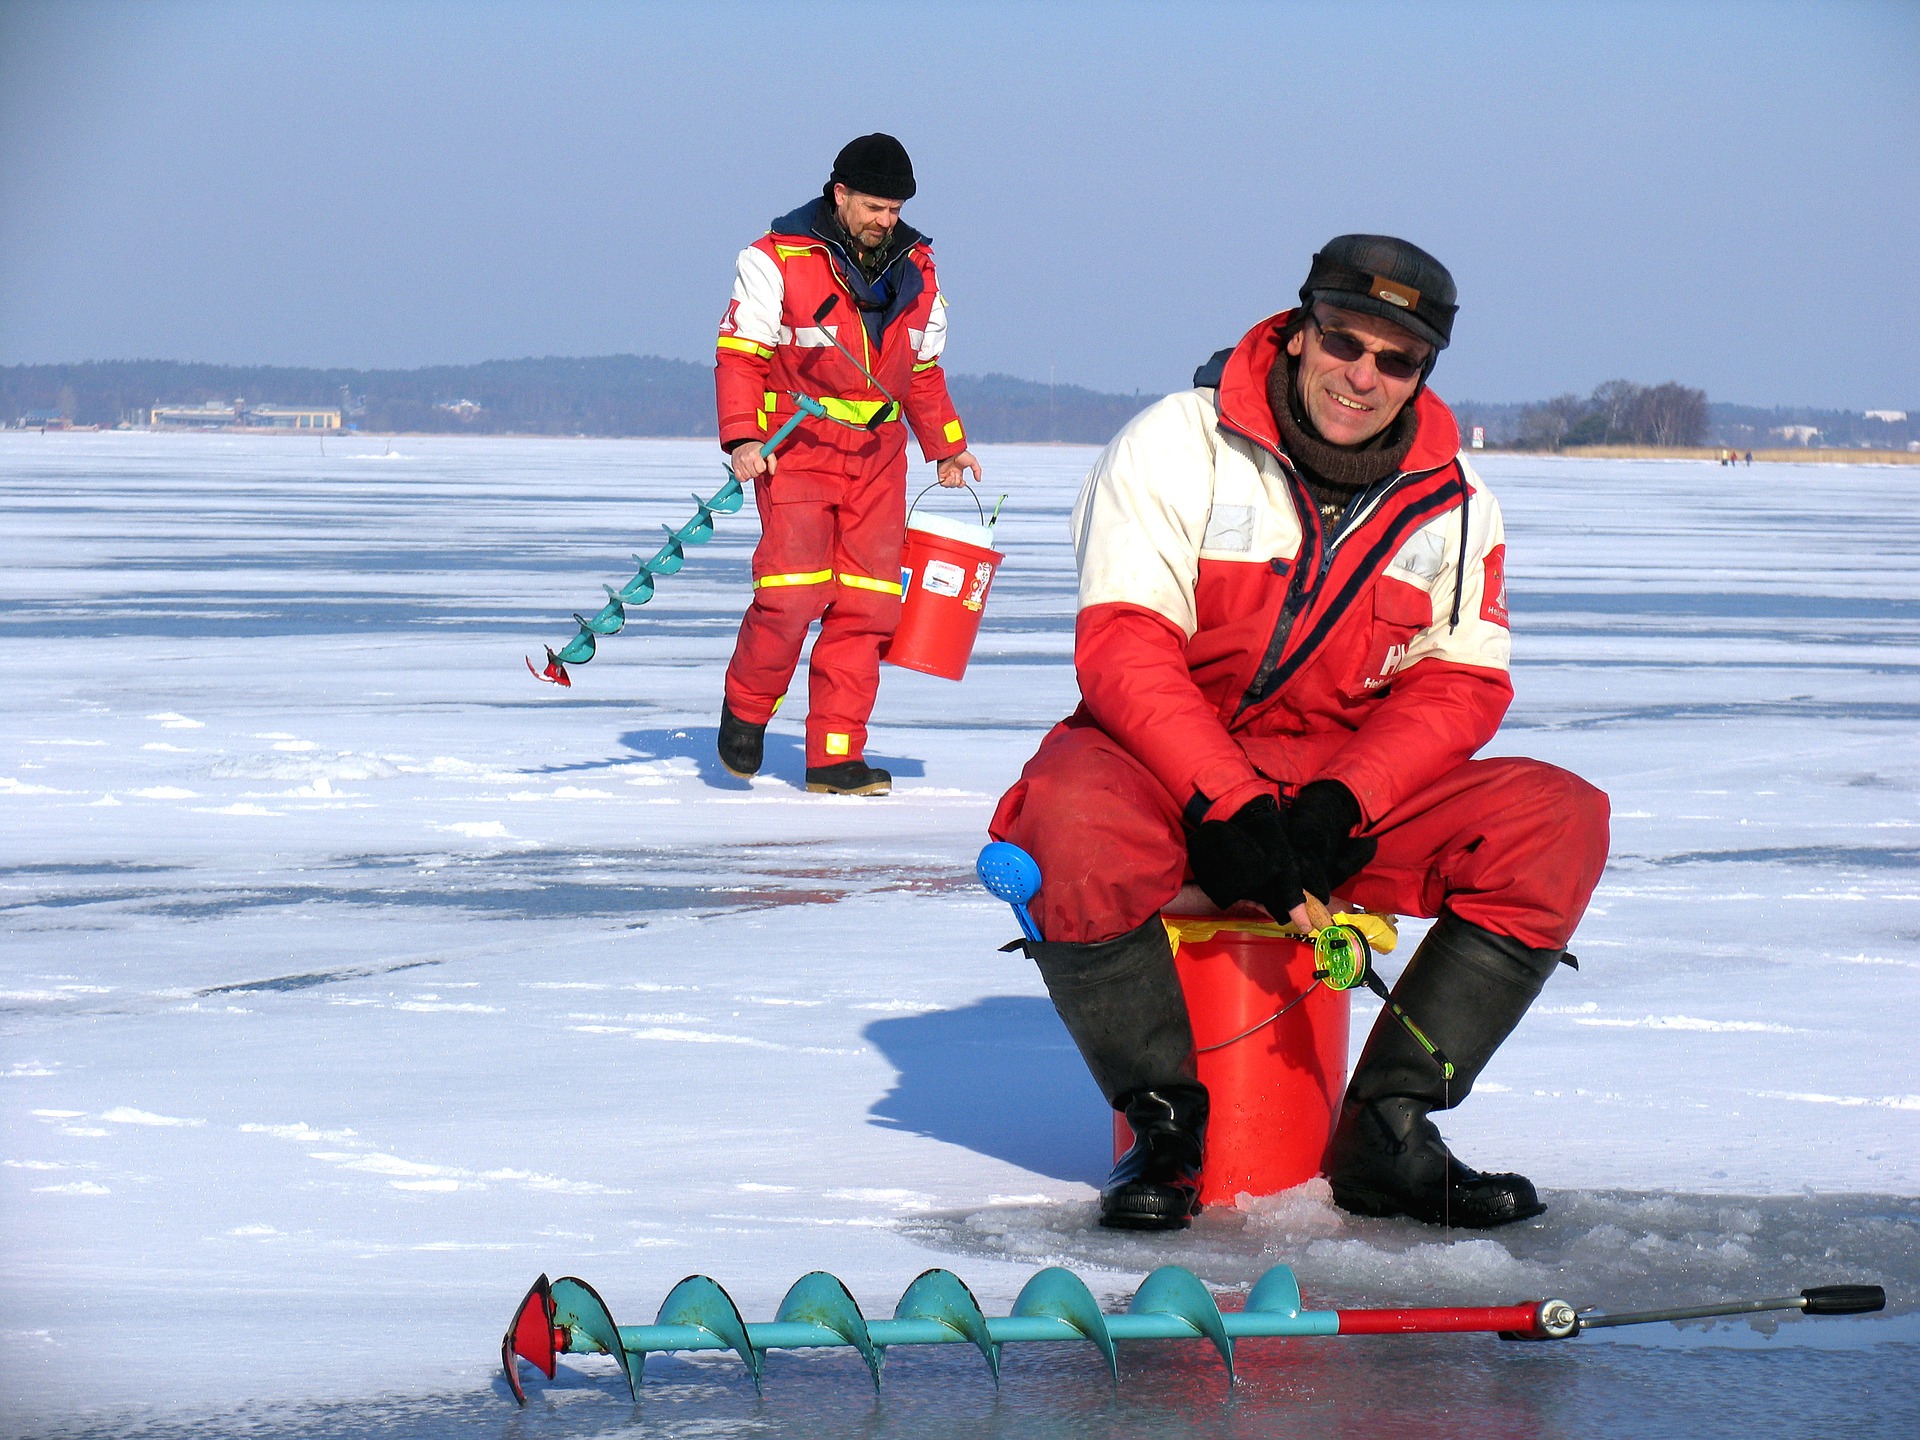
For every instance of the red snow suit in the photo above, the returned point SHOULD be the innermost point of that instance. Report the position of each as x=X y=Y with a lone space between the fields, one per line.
x=833 y=517
x=1229 y=645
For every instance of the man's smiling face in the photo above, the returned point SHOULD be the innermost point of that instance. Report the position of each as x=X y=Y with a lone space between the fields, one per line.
x=1352 y=400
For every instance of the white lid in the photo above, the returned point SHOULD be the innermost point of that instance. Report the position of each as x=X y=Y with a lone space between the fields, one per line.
x=968 y=532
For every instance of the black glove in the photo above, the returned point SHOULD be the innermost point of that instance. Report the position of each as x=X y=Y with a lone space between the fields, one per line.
x=1247 y=858
x=1319 y=827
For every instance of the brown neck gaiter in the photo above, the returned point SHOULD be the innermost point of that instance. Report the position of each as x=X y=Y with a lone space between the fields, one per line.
x=1333 y=474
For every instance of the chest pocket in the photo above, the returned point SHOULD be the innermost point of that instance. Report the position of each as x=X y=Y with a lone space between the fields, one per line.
x=1400 y=611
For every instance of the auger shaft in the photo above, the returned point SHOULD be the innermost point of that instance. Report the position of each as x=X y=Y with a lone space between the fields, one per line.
x=1014 y=1329
x=567 y=1315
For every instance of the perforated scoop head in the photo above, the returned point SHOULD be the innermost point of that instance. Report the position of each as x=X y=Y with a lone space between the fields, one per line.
x=1011 y=874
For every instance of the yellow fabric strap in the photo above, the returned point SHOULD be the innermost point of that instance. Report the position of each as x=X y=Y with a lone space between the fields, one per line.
x=787 y=252
x=926 y=365
x=734 y=342
x=1382 y=931
x=859 y=412
x=953 y=432
x=867 y=582
x=810 y=577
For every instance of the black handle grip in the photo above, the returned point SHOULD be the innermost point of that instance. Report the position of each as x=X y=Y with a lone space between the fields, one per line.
x=826 y=309
x=1844 y=1299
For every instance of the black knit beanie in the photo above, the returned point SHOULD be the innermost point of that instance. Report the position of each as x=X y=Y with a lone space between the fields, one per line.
x=874 y=165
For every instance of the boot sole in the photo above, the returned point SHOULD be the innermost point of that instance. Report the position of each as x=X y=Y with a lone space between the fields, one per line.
x=1375 y=1206
x=882 y=787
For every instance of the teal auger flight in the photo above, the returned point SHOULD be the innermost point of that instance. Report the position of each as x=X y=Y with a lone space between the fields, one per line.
x=611 y=617
x=567 y=1316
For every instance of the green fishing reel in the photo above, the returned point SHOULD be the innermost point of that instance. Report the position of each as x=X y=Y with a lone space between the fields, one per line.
x=1342 y=958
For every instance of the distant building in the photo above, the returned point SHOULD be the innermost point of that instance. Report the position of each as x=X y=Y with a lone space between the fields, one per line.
x=464 y=409
x=1892 y=417
x=1798 y=434
x=289 y=417
x=45 y=420
x=240 y=416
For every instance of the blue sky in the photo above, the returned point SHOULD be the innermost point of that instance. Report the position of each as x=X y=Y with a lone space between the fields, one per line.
x=1726 y=195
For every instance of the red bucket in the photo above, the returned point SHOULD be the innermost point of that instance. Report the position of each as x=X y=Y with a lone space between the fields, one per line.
x=945 y=574
x=1274 y=1079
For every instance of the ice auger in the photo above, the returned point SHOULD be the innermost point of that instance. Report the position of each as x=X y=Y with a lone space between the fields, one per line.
x=567 y=1316
x=611 y=617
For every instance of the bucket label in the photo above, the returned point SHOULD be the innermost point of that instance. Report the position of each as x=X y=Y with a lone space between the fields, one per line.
x=943 y=578
x=977 y=592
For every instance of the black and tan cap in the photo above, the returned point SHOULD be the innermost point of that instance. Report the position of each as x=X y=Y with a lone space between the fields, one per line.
x=1379 y=275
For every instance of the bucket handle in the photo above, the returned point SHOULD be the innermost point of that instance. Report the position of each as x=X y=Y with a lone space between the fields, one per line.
x=985 y=524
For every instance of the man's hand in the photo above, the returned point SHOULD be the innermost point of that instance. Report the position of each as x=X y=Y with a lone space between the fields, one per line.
x=1249 y=858
x=1320 y=825
x=952 y=471
x=749 y=464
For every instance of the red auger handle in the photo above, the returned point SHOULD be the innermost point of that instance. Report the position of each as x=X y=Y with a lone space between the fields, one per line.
x=1844 y=1299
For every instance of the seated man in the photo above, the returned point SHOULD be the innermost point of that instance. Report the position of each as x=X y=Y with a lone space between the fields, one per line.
x=1292 y=639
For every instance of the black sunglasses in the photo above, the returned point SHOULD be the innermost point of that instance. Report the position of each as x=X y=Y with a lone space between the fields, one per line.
x=1347 y=348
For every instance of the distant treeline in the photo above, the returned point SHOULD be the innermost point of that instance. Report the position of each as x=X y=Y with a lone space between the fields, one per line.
x=604 y=395
x=646 y=395
x=1622 y=413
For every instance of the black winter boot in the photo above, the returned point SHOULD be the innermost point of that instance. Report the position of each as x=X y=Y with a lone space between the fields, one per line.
x=1121 y=1002
x=1466 y=988
x=1156 y=1184
x=848 y=777
x=742 y=746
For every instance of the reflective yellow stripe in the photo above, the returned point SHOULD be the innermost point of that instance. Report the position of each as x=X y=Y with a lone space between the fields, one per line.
x=864 y=582
x=769 y=401
x=734 y=342
x=926 y=365
x=859 y=412
x=953 y=432
x=811 y=577
x=836 y=743
x=787 y=252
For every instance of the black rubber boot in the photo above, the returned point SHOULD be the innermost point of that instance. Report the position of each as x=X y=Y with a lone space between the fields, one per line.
x=1156 y=1184
x=1122 y=1004
x=1466 y=988
x=743 y=747
x=849 y=777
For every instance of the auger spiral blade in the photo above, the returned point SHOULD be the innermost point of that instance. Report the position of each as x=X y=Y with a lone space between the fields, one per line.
x=668 y=559
x=1054 y=1305
x=639 y=589
x=728 y=499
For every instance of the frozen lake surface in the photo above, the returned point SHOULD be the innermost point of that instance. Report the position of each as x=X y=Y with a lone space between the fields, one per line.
x=351 y=978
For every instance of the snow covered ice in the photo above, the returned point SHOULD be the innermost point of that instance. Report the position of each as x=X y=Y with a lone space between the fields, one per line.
x=351 y=978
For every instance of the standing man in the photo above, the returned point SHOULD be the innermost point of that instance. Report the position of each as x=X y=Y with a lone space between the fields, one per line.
x=838 y=302
x=1292 y=639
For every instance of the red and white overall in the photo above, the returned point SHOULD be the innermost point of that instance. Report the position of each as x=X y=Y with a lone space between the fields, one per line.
x=1228 y=644
x=833 y=517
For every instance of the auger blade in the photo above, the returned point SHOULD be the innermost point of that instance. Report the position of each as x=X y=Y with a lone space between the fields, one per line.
x=699 y=529
x=668 y=559
x=728 y=499
x=579 y=650
x=704 y=1304
x=578 y=1310
x=639 y=589
x=555 y=671
x=1173 y=1291
x=943 y=1296
x=1062 y=1295
x=610 y=618
x=529 y=1337
x=821 y=1299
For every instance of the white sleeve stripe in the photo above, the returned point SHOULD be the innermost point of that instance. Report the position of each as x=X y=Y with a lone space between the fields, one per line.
x=758 y=289
x=930 y=342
